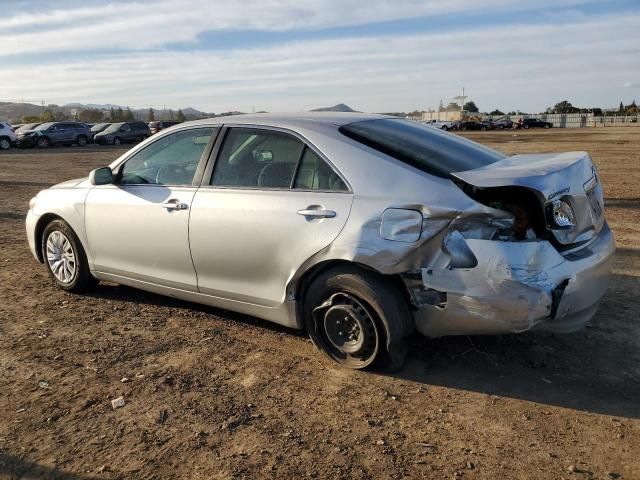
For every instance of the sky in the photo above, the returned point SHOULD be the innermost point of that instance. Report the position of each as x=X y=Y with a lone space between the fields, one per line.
x=293 y=55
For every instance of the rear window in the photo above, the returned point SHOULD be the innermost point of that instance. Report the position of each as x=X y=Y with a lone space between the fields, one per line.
x=428 y=149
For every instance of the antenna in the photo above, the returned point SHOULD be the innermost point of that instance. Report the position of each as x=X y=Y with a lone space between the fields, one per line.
x=462 y=99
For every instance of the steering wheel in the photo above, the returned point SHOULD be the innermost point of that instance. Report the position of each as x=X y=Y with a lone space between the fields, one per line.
x=171 y=174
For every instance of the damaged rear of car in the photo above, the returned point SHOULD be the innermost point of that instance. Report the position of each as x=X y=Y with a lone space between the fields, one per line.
x=358 y=228
x=529 y=250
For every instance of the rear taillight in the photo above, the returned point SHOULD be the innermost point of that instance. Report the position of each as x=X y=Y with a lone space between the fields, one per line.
x=560 y=215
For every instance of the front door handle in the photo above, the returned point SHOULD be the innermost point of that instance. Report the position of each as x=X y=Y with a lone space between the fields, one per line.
x=317 y=213
x=174 y=204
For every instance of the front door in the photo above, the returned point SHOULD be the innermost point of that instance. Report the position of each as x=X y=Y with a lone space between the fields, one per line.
x=139 y=227
x=271 y=203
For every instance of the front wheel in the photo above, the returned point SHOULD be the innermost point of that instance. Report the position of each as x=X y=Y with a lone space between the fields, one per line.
x=357 y=318
x=82 y=141
x=43 y=142
x=117 y=141
x=65 y=258
x=5 y=144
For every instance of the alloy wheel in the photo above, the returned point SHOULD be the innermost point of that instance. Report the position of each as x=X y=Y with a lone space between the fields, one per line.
x=61 y=257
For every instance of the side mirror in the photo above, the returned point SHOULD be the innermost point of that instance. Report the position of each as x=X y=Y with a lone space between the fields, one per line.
x=101 y=176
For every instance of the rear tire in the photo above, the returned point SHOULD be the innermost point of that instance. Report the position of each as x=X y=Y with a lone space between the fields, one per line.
x=358 y=319
x=82 y=141
x=65 y=258
x=116 y=141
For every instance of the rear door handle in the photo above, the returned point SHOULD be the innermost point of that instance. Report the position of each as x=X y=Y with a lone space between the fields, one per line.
x=174 y=204
x=317 y=213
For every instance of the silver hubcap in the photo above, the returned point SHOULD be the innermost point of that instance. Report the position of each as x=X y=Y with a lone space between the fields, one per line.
x=4 y=144
x=61 y=257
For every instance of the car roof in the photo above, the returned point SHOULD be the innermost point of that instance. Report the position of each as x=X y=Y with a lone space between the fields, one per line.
x=291 y=120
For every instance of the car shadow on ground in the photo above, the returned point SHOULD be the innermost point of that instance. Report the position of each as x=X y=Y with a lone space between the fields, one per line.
x=123 y=293
x=595 y=370
x=16 y=467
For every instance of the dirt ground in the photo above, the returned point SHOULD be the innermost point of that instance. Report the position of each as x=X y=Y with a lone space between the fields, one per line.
x=210 y=394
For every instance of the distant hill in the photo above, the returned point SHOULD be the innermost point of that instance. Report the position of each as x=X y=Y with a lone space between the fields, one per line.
x=15 y=112
x=341 y=107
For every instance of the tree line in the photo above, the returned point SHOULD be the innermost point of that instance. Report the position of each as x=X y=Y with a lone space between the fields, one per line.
x=94 y=115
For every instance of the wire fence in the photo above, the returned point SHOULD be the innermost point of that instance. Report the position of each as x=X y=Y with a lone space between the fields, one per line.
x=578 y=120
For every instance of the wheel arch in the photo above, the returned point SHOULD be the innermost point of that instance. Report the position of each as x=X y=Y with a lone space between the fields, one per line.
x=297 y=289
x=42 y=223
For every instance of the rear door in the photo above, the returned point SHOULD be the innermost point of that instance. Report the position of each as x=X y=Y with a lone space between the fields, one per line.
x=271 y=203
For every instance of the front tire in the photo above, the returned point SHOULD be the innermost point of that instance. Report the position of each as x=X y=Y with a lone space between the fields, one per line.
x=82 y=141
x=357 y=318
x=117 y=141
x=43 y=142
x=65 y=258
x=5 y=144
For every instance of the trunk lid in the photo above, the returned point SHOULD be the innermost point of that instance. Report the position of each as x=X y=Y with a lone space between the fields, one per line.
x=570 y=175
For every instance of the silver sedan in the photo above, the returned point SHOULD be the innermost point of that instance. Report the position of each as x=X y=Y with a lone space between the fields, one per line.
x=358 y=228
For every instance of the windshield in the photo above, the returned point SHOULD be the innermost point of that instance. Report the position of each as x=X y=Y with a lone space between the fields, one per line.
x=98 y=127
x=428 y=149
x=114 y=127
x=44 y=126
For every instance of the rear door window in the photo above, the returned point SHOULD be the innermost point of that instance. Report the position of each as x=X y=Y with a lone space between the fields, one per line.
x=257 y=158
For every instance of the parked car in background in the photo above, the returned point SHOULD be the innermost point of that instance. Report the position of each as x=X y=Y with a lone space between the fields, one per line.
x=155 y=127
x=7 y=136
x=123 y=132
x=489 y=124
x=275 y=216
x=97 y=128
x=535 y=123
x=441 y=124
x=27 y=126
x=16 y=126
x=55 y=133
x=503 y=123
x=470 y=125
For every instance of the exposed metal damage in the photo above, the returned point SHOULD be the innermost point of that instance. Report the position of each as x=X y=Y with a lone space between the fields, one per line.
x=496 y=266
